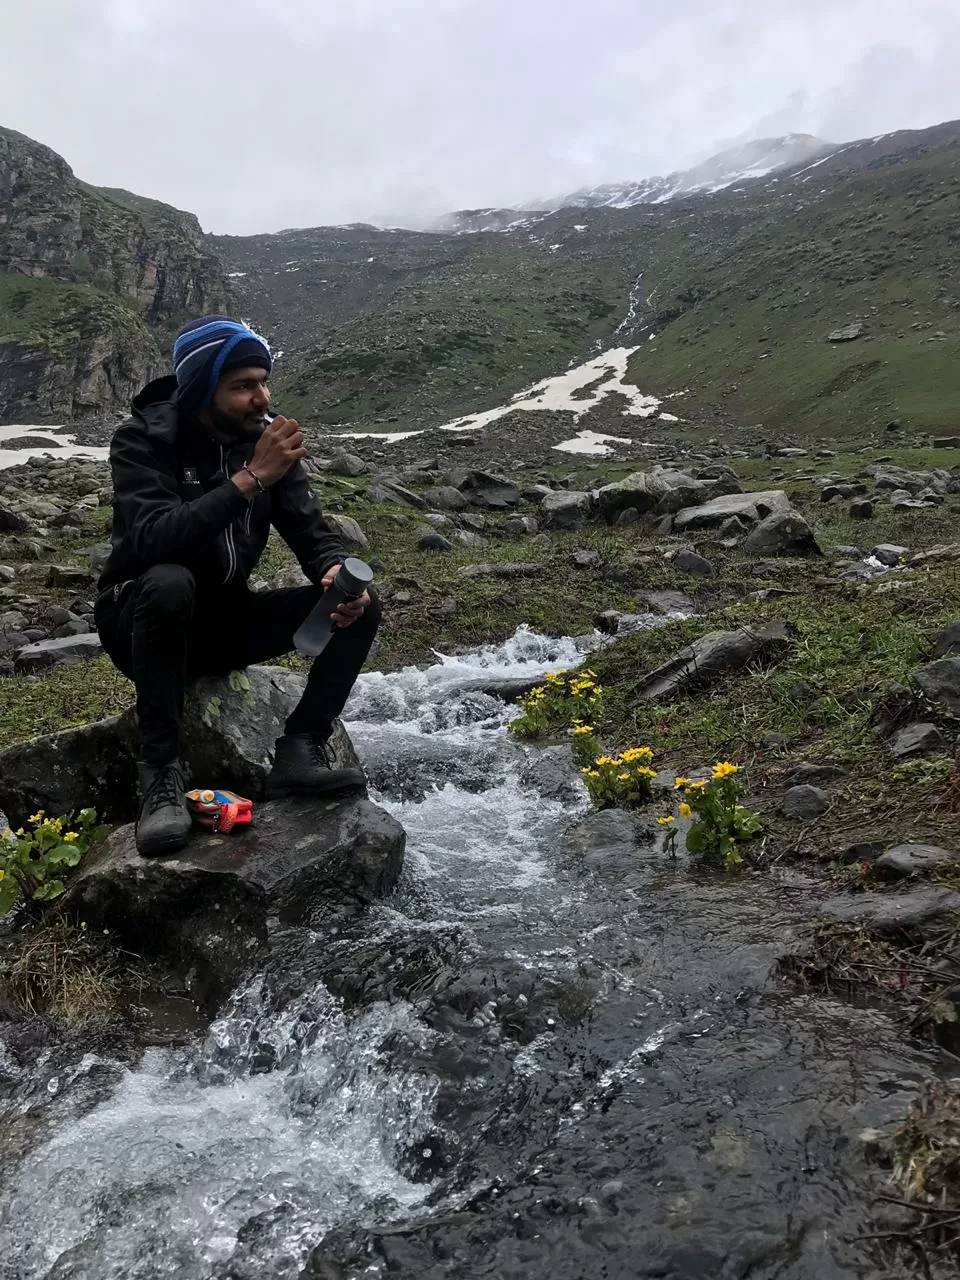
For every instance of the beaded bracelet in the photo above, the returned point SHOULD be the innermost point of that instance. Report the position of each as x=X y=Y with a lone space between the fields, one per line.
x=251 y=472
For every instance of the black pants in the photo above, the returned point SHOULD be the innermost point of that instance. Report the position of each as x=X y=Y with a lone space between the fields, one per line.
x=162 y=632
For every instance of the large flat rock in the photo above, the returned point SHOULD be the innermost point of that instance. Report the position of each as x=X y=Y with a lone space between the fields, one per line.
x=206 y=910
x=229 y=730
x=748 y=507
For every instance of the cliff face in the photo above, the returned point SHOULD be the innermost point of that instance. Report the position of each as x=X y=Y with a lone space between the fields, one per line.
x=92 y=283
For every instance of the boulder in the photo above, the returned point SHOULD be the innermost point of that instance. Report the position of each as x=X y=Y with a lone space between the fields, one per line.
x=206 y=910
x=347 y=529
x=682 y=490
x=565 y=509
x=862 y=509
x=912 y=859
x=61 y=652
x=940 y=683
x=899 y=479
x=640 y=492
x=699 y=665
x=449 y=499
x=229 y=729
x=521 y=526
x=750 y=507
x=481 y=489
x=922 y=910
x=785 y=533
x=668 y=601
x=915 y=740
x=946 y=442
x=889 y=554
x=432 y=540
x=99 y=555
x=383 y=490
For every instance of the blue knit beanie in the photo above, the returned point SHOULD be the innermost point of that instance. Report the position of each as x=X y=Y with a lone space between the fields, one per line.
x=208 y=348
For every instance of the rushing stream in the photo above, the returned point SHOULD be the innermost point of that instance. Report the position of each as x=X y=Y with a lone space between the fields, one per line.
x=552 y=1054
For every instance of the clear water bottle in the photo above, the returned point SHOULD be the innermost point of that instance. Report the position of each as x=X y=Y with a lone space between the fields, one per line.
x=352 y=580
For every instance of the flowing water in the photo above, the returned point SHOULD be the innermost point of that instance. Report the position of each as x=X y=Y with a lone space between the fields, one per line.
x=553 y=1053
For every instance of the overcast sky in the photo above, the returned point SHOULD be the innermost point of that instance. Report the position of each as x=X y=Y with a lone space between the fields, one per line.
x=282 y=113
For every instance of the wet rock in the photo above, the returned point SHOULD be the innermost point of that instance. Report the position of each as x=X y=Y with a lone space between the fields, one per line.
x=566 y=509
x=230 y=727
x=913 y=859
x=805 y=802
x=940 y=683
x=889 y=554
x=689 y=561
x=206 y=910
x=431 y=540
x=947 y=642
x=709 y=659
x=553 y=774
x=482 y=489
x=608 y=839
x=915 y=740
x=862 y=509
x=785 y=533
x=668 y=601
x=347 y=529
x=922 y=910
x=60 y=652
x=748 y=507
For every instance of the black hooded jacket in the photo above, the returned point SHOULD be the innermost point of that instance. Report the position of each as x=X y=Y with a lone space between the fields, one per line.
x=173 y=502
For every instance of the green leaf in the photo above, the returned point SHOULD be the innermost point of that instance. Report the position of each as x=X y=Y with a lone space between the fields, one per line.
x=52 y=889
x=68 y=855
x=9 y=894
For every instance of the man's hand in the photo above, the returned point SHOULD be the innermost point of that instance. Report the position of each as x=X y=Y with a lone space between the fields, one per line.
x=278 y=449
x=350 y=610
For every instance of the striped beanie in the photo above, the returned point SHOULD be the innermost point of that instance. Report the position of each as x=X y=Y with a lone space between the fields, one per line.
x=208 y=348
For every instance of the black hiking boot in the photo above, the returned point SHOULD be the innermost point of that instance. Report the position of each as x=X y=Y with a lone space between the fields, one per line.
x=304 y=765
x=163 y=824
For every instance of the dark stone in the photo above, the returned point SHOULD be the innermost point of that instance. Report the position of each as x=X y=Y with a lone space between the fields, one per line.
x=912 y=859
x=431 y=540
x=206 y=910
x=889 y=554
x=689 y=561
x=940 y=683
x=68 y=578
x=775 y=741
x=918 y=911
x=707 y=660
x=847 y=333
x=346 y=464
x=481 y=489
x=948 y=641
x=862 y=509
x=586 y=559
x=748 y=507
x=814 y=774
x=805 y=802
x=668 y=601
x=784 y=533
x=566 y=509
x=915 y=740
x=449 y=499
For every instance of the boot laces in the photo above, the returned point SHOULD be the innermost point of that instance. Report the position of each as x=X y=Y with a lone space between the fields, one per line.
x=320 y=753
x=164 y=790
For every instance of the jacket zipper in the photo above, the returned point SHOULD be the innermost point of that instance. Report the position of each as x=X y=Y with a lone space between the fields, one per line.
x=228 y=533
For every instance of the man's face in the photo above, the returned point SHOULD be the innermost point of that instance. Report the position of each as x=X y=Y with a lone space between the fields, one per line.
x=240 y=402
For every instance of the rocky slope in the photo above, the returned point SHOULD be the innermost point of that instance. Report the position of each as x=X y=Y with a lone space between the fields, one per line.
x=91 y=283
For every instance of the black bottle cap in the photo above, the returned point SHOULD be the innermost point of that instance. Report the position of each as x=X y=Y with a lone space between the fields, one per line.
x=354 y=577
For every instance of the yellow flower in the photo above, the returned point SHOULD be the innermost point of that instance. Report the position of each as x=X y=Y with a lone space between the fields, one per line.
x=582 y=729
x=37 y=817
x=607 y=760
x=666 y=822
x=20 y=831
x=54 y=824
x=685 y=811
x=554 y=677
x=697 y=786
x=70 y=837
x=681 y=782
x=590 y=773
x=644 y=772
x=2 y=874
x=623 y=777
x=724 y=769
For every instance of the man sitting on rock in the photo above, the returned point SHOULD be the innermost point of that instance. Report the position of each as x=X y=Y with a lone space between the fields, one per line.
x=199 y=477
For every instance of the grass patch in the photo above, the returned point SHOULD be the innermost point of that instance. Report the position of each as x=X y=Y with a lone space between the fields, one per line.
x=57 y=971
x=65 y=696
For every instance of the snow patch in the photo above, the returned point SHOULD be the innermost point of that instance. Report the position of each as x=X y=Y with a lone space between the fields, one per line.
x=593 y=442
x=556 y=394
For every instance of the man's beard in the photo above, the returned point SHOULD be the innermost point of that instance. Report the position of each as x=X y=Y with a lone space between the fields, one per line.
x=229 y=426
